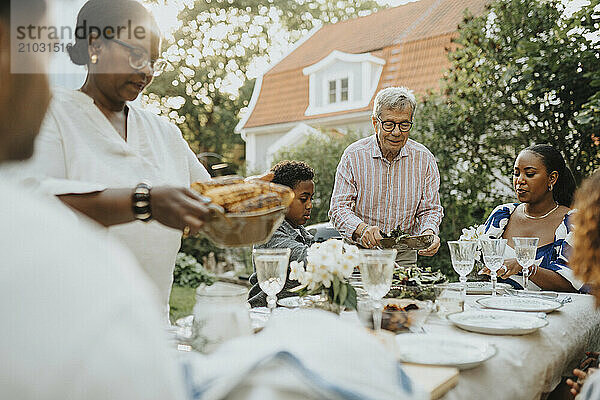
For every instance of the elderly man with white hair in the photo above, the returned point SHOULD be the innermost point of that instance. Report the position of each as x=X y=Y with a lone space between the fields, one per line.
x=387 y=180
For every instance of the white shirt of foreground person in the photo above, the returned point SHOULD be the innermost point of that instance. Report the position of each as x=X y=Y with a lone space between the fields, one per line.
x=80 y=319
x=79 y=151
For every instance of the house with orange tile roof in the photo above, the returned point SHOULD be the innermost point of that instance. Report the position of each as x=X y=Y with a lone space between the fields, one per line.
x=329 y=79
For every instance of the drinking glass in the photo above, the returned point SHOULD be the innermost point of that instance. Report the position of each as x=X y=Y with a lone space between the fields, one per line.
x=376 y=270
x=462 y=253
x=271 y=271
x=493 y=257
x=526 y=249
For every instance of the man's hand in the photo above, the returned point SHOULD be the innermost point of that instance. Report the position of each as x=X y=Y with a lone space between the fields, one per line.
x=435 y=245
x=370 y=237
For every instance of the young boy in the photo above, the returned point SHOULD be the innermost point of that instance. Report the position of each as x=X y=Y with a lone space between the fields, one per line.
x=298 y=176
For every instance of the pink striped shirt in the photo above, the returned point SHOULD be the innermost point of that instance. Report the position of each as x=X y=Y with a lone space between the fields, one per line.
x=368 y=188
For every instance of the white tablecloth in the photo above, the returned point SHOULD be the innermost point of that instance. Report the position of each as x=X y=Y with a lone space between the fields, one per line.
x=527 y=366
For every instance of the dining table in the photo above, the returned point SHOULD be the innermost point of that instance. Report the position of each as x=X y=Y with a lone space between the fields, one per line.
x=525 y=367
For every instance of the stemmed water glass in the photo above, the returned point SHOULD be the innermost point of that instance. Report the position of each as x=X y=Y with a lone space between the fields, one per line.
x=493 y=257
x=462 y=253
x=376 y=270
x=271 y=271
x=526 y=249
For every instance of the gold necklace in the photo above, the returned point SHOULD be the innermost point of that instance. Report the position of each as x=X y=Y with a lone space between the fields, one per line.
x=541 y=216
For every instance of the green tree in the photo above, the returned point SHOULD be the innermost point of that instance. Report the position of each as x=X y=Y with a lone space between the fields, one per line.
x=521 y=75
x=525 y=72
x=212 y=52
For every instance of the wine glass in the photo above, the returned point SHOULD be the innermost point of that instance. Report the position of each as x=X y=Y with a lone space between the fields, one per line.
x=493 y=257
x=462 y=253
x=376 y=270
x=271 y=271
x=526 y=249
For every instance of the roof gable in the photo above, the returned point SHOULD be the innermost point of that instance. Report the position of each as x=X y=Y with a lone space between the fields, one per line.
x=412 y=39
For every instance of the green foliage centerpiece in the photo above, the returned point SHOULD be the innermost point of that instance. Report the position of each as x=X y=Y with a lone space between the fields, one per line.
x=328 y=266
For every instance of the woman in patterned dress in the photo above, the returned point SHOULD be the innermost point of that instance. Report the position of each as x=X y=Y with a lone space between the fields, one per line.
x=544 y=186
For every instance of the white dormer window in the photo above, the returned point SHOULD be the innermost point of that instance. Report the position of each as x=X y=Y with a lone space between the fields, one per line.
x=342 y=81
x=338 y=90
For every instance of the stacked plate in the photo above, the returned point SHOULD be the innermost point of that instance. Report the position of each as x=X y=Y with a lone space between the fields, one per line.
x=443 y=350
x=497 y=322
x=519 y=303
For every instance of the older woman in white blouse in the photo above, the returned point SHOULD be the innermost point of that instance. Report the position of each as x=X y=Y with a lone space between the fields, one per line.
x=124 y=167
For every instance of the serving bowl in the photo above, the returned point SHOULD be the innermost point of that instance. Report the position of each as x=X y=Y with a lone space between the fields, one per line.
x=398 y=315
x=243 y=229
x=416 y=242
x=419 y=292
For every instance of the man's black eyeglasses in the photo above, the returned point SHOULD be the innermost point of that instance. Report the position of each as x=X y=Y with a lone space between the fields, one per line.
x=389 y=126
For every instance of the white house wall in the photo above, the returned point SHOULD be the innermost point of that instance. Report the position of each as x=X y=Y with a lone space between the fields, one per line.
x=257 y=160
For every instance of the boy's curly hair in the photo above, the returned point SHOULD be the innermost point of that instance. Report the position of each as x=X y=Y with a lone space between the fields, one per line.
x=290 y=173
x=585 y=261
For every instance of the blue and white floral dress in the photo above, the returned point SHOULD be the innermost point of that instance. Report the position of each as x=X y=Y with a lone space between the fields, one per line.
x=553 y=256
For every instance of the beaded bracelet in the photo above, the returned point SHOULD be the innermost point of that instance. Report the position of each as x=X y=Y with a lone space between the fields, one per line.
x=140 y=202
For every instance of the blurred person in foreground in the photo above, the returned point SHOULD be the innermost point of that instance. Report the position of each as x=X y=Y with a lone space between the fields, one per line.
x=124 y=167
x=291 y=234
x=387 y=180
x=70 y=330
x=81 y=320
x=585 y=263
x=544 y=186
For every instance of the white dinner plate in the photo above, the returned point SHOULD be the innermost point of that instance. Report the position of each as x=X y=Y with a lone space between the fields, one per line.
x=514 y=303
x=290 y=302
x=479 y=287
x=443 y=350
x=497 y=322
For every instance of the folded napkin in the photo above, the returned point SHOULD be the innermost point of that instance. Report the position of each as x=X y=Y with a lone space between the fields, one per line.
x=301 y=354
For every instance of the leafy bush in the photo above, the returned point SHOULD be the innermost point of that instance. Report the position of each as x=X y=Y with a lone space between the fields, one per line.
x=190 y=273
x=198 y=247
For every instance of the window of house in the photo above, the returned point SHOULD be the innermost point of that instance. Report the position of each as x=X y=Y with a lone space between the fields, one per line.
x=344 y=90
x=338 y=90
x=332 y=92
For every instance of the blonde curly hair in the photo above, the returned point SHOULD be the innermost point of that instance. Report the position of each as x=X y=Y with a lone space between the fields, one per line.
x=585 y=261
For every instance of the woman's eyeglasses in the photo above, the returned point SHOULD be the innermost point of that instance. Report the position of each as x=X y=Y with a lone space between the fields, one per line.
x=389 y=126
x=139 y=59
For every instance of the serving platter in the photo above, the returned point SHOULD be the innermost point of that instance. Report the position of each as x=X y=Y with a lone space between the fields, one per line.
x=416 y=242
x=443 y=350
x=515 y=303
x=479 y=287
x=497 y=322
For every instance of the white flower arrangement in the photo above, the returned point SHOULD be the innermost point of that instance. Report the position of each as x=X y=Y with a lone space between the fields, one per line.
x=475 y=232
x=328 y=267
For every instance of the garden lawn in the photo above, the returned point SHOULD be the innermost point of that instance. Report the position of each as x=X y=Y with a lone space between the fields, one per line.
x=181 y=302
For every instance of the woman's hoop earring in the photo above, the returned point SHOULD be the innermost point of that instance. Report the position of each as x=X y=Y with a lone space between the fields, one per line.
x=94 y=58
x=551 y=187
